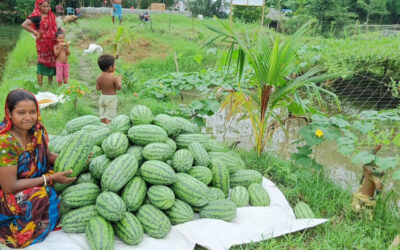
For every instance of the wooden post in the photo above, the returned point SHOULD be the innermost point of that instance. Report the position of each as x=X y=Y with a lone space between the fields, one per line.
x=231 y=13
x=262 y=17
x=176 y=62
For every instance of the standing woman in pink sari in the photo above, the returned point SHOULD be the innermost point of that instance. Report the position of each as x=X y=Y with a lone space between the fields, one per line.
x=42 y=24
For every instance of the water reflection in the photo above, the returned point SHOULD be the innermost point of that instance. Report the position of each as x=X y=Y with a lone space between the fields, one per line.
x=339 y=168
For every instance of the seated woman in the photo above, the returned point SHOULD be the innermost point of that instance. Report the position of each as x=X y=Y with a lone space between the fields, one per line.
x=29 y=206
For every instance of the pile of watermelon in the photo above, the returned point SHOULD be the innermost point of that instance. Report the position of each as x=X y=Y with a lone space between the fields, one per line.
x=143 y=173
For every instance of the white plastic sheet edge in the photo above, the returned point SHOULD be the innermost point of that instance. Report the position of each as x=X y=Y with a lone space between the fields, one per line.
x=252 y=224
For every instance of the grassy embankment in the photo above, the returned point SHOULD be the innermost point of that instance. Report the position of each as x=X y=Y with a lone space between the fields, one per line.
x=149 y=55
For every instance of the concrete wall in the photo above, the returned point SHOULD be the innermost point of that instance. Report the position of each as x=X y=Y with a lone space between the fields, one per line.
x=107 y=11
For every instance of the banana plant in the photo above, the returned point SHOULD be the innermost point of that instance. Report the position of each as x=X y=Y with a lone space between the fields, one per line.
x=275 y=64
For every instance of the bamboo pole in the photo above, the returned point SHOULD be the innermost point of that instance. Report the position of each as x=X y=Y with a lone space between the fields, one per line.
x=231 y=13
x=262 y=17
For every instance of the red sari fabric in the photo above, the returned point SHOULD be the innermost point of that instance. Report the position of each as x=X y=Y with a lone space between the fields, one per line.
x=47 y=29
x=28 y=216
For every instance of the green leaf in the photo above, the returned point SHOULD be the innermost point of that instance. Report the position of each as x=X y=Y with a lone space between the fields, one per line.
x=363 y=158
x=396 y=175
x=304 y=161
x=305 y=150
x=319 y=118
x=386 y=162
x=309 y=136
x=340 y=122
x=198 y=58
x=196 y=105
x=345 y=145
x=295 y=109
x=316 y=165
x=363 y=127
x=330 y=133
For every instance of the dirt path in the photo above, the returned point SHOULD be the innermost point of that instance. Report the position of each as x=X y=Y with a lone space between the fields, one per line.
x=87 y=75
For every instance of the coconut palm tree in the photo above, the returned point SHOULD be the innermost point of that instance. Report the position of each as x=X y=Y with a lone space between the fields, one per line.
x=275 y=64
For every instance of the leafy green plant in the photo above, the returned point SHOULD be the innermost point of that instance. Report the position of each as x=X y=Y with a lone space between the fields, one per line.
x=348 y=135
x=173 y=84
x=74 y=90
x=274 y=62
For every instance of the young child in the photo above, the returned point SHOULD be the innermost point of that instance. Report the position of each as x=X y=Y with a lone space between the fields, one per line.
x=61 y=51
x=108 y=84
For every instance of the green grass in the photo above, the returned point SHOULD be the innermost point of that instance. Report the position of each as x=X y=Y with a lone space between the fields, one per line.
x=345 y=230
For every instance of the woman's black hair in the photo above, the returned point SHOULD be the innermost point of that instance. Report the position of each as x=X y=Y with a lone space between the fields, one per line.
x=59 y=32
x=16 y=96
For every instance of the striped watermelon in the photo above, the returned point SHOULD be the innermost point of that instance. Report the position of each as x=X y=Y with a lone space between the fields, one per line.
x=199 y=153
x=75 y=221
x=186 y=127
x=180 y=212
x=213 y=146
x=129 y=229
x=119 y=172
x=232 y=162
x=183 y=140
x=78 y=123
x=168 y=123
x=137 y=152
x=220 y=209
x=245 y=177
x=110 y=206
x=190 y=190
x=258 y=195
x=115 y=144
x=60 y=143
x=215 y=194
x=98 y=165
x=157 y=172
x=303 y=211
x=134 y=193
x=80 y=195
x=239 y=196
x=160 y=196
x=75 y=154
x=99 y=234
x=155 y=223
x=141 y=114
x=96 y=151
x=182 y=160
x=157 y=151
x=64 y=209
x=100 y=135
x=120 y=123
x=145 y=134
x=172 y=144
x=201 y=173
x=92 y=128
x=220 y=177
x=86 y=178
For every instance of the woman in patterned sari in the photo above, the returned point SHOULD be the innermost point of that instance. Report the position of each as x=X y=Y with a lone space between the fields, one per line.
x=29 y=206
x=42 y=24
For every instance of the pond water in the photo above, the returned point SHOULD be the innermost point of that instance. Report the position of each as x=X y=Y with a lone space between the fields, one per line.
x=8 y=38
x=339 y=168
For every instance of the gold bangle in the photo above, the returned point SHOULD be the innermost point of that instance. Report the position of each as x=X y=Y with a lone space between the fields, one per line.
x=45 y=181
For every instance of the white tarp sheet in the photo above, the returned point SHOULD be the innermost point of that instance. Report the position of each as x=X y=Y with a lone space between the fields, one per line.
x=251 y=224
x=49 y=98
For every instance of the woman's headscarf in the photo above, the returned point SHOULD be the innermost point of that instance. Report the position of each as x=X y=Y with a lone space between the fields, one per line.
x=39 y=138
x=48 y=24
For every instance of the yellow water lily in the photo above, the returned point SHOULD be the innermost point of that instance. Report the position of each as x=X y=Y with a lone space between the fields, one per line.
x=319 y=133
